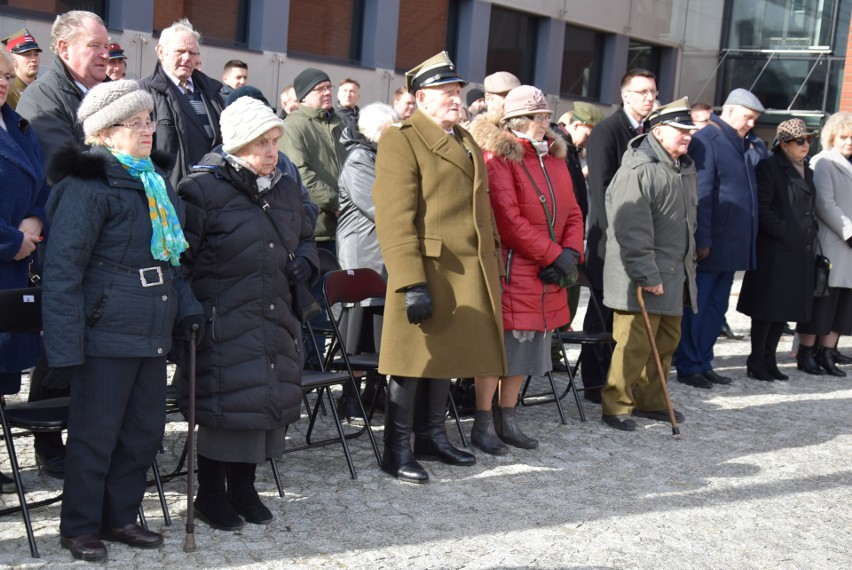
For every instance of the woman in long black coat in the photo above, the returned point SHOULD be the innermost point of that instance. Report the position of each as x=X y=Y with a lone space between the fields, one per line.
x=781 y=287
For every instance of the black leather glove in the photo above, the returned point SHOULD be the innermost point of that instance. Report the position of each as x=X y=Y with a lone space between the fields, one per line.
x=418 y=304
x=566 y=264
x=549 y=275
x=849 y=242
x=297 y=270
x=190 y=321
x=574 y=255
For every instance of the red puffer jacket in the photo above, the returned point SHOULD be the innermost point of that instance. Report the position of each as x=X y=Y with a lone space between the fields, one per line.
x=528 y=303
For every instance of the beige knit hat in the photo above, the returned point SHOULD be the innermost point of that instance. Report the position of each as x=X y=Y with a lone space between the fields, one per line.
x=244 y=120
x=108 y=104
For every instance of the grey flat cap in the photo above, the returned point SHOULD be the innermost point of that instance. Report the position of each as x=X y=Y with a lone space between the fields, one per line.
x=744 y=98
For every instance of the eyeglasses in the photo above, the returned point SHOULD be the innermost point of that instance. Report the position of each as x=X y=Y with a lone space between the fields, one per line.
x=140 y=127
x=322 y=88
x=9 y=77
x=645 y=92
x=539 y=118
x=801 y=141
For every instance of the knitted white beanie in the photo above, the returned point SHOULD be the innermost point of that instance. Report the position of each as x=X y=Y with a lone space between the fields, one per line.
x=244 y=120
x=110 y=103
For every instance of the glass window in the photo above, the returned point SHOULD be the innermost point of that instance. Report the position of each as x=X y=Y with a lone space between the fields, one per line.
x=220 y=22
x=54 y=8
x=780 y=24
x=422 y=31
x=644 y=55
x=581 y=63
x=511 y=43
x=326 y=28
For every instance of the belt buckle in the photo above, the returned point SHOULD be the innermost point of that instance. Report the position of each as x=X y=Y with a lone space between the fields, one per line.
x=144 y=279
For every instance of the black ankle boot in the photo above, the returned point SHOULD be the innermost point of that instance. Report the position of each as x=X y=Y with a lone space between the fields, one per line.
x=374 y=393
x=756 y=368
x=506 y=425
x=484 y=436
x=430 y=428
x=211 y=503
x=397 y=458
x=825 y=359
x=347 y=404
x=805 y=360
x=242 y=494
x=839 y=357
x=772 y=366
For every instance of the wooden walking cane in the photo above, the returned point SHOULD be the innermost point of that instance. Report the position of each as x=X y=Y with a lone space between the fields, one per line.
x=658 y=362
x=189 y=541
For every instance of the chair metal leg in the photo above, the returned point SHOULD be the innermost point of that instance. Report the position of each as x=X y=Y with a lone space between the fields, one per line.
x=343 y=441
x=16 y=475
x=277 y=477
x=451 y=403
x=142 y=520
x=556 y=398
x=167 y=519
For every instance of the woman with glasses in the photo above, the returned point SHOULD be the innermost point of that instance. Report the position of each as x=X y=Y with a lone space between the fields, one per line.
x=541 y=233
x=113 y=294
x=832 y=314
x=781 y=287
x=23 y=191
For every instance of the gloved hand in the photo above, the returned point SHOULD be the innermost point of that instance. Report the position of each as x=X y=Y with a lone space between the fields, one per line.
x=566 y=265
x=418 y=304
x=849 y=242
x=549 y=275
x=297 y=270
x=186 y=325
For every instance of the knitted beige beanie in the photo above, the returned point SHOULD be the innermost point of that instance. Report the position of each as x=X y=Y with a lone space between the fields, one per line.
x=110 y=103
x=244 y=120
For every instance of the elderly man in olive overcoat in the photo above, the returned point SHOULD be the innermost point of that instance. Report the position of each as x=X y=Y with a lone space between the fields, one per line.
x=436 y=230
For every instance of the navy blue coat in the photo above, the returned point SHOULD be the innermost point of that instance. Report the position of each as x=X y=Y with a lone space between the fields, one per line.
x=727 y=198
x=94 y=302
x=23 y=192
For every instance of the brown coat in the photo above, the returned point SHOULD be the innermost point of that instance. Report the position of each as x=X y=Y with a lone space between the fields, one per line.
x=435 y=226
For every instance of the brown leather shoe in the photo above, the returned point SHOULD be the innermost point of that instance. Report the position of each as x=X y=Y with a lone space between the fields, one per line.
x=133 y=535
x=85 y=547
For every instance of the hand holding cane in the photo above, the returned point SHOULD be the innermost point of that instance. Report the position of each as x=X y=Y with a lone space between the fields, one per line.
x=658 y=362
x=189 y=542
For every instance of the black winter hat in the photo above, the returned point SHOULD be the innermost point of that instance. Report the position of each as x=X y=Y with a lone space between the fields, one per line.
x=246 y=91
x=307 y=80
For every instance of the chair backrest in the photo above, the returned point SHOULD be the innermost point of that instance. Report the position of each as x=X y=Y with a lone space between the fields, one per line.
x=20 y=310
x=353 y=286
x=583 y=280
x=327 y=261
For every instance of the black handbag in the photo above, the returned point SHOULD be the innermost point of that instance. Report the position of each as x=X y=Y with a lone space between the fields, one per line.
x=823 y=269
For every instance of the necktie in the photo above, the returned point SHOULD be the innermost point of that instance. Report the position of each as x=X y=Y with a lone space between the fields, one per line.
x=185 y=86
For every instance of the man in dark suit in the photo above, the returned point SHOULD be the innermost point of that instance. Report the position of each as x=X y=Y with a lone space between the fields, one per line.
x=187 y=104
x=606 y=146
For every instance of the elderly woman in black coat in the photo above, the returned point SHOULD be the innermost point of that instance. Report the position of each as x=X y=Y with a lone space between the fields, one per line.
x=112 y=296
x=781 y=287
x=244 y=218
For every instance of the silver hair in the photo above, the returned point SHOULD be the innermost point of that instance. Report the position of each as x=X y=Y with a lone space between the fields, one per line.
x=7 y=57
x=838 y=123
x=182 y=25
x=519 y=124
x=374 y=118
x=66 y=26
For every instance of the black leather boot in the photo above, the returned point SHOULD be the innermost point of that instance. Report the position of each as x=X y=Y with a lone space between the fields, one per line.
x=242 y=494
x=211 y=503
x=347 y=404
x=506 y=425
x=772 y=366
x=430 y=428
x=805 y=360
x=484 y=436
x=825 y=359
x=839 y=357
x=756 y=368
x=397 y=458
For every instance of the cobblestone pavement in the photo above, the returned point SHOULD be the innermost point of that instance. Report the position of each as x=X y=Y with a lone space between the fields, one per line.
x=761 y=479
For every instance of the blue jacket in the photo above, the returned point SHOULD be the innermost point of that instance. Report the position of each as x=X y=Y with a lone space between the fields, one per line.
x=727 y=198
x=94 y=302
x=23 y=192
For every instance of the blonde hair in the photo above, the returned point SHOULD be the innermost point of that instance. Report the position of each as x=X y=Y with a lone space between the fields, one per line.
x=836 y=124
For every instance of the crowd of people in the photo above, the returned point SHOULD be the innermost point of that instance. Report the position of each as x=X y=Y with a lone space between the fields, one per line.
x=179 y=209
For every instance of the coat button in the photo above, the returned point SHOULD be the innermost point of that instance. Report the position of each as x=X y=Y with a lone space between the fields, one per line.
x=165 y=297
x=159 y=351
x=271 y=307
x=271 y=244
x=272 y=366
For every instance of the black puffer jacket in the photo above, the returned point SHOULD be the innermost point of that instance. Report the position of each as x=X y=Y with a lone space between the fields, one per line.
x=250 y=361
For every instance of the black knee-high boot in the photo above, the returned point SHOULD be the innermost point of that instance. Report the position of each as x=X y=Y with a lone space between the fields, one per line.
x=243 y=495
x=756 y=362
x=397 y=458
x=211 y=501
x=430 y=428
x=775 y=331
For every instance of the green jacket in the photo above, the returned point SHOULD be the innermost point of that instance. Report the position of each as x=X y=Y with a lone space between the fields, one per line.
x=312 y=142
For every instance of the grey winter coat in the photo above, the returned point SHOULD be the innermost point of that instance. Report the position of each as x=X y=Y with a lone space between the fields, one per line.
x=357 y=243
x=833 y=181
x=249 y=365
x=651 y=207
x=94 y=301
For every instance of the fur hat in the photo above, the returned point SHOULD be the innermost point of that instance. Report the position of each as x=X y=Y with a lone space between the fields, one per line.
x=307 y=80
x=244 y=120
x=108 y=104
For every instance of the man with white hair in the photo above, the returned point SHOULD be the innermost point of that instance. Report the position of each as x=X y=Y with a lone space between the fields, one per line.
x=187 y=104
x=81 y=44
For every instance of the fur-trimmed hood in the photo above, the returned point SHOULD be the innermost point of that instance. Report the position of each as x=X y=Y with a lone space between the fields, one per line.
x=71 y=160
x=500 y=141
